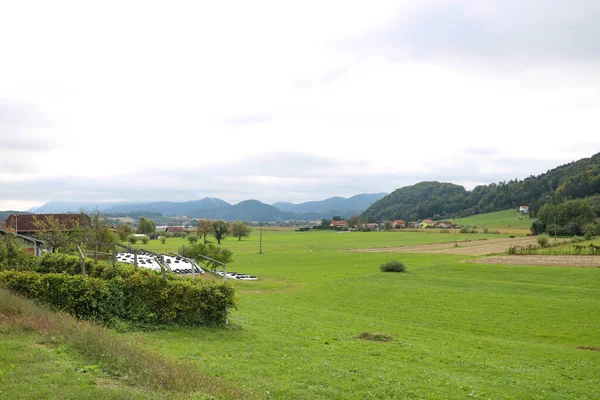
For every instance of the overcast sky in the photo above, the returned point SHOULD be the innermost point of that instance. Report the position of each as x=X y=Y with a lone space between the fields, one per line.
x=289 y=101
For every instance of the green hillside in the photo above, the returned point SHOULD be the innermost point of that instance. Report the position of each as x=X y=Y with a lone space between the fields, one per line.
x=507 y=219
x=579 y=179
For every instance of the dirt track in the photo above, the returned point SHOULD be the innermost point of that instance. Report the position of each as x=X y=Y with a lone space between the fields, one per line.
x=553 y=261
x=471 y=248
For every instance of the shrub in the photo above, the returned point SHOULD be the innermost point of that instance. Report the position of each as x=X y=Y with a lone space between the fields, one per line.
x=393 y=266
x=145 y=239
x=163 y=239
x=132 y=239
x=140 y=297
x=444 y=230
x=192 y=238
x=543 y=240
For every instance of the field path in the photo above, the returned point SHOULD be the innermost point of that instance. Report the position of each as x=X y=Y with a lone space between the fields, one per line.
x=471 y=248
x=553 y=261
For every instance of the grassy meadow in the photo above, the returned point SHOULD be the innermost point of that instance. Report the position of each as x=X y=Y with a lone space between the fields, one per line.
x=505 y=221
x=460 y=330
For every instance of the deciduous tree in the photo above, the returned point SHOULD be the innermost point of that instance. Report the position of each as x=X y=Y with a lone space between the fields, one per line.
x=204 y=228
x=240 y=229
x=220 y=230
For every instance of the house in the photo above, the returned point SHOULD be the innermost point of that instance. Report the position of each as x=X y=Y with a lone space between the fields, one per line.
x=30 y=223
x=35 y=245
x=426 y=223
x=339 y=224
x=444 y=224
x=524 y=209
x=399 y=223
x=175 y=229
x=370 y=226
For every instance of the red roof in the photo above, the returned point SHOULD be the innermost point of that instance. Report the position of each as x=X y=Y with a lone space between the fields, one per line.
x=339 y=223
x=175 y=229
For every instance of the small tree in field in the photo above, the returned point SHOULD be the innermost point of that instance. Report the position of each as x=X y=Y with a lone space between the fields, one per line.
x=192 y=239
x=240 y=229
x=543 y=240
x=220 y=230
x=133 y=239
x=204 y=228
x=163 y=239
x=145 y=239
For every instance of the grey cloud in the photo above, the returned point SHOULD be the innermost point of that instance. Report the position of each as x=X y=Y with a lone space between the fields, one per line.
x=513 y=30
x=232 y=184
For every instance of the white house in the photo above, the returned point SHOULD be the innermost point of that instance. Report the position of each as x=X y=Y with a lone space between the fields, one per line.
x=523 y=209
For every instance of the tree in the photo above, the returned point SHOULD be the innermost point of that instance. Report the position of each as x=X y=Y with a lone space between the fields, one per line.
x=55 y=232
x=205 y=227
x=387 y=225
x=192 y=239
x=354 y=221
x=197 y=250
x=325 y=222
x=145 y=226
x=240 y=229
x=123 y=231
x=220 y=230
x=337 y=218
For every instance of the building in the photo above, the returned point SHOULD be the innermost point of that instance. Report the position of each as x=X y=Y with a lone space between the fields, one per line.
x=339 y=224
x=426 y=223
x=399 y=223
x=31 y=223
x=444 y=224
x=524 y=209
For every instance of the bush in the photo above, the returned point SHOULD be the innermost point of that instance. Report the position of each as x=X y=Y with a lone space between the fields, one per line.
x=145 y=239
x=132 y=239
x=163 y=239
x=192 y=238
x=140 y=297
x=393 y=266
x=376 y=336
x=543 y=240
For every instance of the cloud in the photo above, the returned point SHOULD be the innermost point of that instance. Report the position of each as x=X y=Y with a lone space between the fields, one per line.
x=502 y=31
x=248 y=119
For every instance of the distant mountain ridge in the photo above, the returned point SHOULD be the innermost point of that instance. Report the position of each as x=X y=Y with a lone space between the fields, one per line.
x=215 y=208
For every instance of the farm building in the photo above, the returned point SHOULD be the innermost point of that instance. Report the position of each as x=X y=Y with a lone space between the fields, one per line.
x=30 y=223
x=399 y=223
x=444 y=224
x=339 y=224
x=524 y=209
x=426 y=223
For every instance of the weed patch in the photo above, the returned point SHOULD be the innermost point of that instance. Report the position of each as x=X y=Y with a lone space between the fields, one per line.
x=375 y=336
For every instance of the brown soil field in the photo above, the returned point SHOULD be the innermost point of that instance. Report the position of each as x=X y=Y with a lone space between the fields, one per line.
x=471 y=248
x=552 y=261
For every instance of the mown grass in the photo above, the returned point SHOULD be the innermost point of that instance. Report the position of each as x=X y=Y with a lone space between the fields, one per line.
x=459 y=330
x=505 y=220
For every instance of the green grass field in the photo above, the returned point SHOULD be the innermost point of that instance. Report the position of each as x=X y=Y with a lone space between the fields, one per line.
x=459 y=330
x=506 y=220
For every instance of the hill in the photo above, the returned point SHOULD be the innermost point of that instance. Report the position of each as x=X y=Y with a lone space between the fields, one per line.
x=57 y=207
x=437 y=200
x=507 y=219
x=250 y=210
x=342 y=206
x=195 y=208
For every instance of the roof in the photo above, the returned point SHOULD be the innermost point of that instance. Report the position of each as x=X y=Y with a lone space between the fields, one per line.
x=338 y=223
x=175 y=229
x=524 y=207
x=427 y=221
x=26 y=222
x=399 y=221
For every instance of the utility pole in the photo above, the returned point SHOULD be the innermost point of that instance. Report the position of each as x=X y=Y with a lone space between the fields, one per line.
x=554 y=227
x=261 y=229
x=16 y=224
x=455 y=242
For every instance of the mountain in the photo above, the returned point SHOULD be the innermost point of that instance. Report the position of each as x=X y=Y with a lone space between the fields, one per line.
x=578 y=179
x=195 y=208
x=57 y=207
x=250 y=210
x=344 y=207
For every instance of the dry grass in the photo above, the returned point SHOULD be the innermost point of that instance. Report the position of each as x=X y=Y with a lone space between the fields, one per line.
x=551 y=261
x=375 y=336
x=471 y=248
x=123 y=359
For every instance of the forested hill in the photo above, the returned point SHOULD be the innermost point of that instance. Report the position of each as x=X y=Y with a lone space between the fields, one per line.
x=445 y=200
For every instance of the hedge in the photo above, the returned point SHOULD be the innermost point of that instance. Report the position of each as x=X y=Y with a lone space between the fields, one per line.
x=142 y=296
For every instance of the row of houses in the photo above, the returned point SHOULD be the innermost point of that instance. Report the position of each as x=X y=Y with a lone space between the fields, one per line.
x=399 y=223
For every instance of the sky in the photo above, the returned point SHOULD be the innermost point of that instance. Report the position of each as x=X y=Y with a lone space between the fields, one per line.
x=289 y=101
